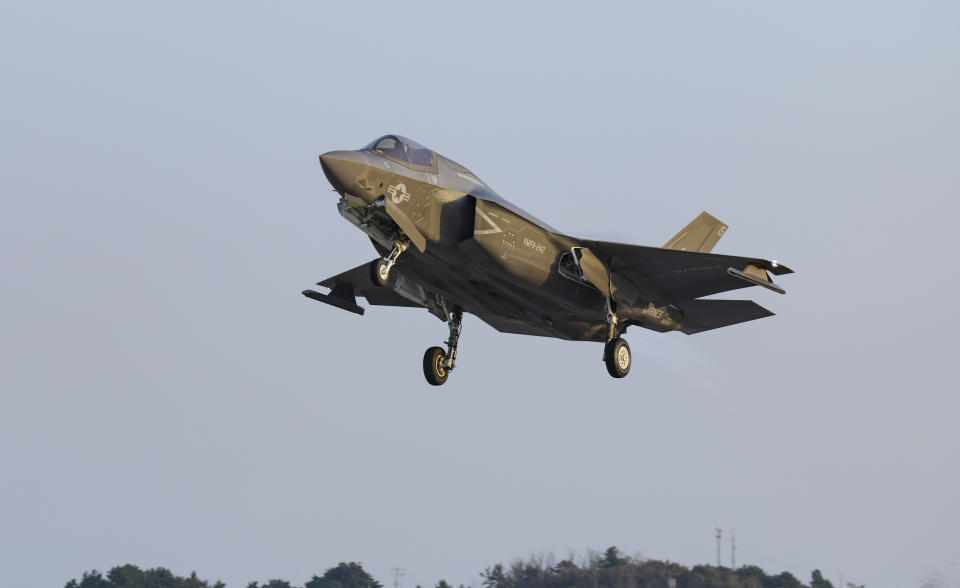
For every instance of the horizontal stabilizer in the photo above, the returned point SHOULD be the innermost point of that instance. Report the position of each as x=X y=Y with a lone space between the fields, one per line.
x=345 y=287
x=706 y=315
x=343 y=299
x=701 y=234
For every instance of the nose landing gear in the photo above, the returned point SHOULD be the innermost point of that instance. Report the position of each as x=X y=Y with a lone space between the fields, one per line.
x=380 y=269
x=438 y=364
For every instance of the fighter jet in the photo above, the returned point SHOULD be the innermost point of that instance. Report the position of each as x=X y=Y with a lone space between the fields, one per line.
x=450 y=244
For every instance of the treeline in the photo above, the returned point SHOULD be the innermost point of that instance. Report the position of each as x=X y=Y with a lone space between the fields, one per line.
x=609 y=569
x=345 y=575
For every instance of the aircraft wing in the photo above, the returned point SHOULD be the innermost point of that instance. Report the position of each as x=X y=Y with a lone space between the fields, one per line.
x=670 y=276
x=345 y=287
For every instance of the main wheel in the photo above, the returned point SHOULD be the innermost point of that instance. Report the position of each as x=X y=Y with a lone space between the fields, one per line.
x=435 y=366
x=379 y=272
x=617 y=357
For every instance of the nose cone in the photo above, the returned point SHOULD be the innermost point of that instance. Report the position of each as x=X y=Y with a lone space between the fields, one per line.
x=345 y=170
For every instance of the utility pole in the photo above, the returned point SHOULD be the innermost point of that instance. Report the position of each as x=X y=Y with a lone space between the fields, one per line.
x=397 y=574
x=733 y=549
x=719 y=537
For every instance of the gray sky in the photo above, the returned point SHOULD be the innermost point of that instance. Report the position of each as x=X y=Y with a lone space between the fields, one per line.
x=169 y=399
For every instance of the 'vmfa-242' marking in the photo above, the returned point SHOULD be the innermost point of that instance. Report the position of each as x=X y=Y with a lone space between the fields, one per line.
x=538 y=247
x=450 y=244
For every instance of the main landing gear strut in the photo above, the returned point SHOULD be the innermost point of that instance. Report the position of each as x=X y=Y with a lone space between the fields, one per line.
x=437 y=363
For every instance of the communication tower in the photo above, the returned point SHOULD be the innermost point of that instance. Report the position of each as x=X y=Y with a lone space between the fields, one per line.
x=719 y=538
x=733 y=549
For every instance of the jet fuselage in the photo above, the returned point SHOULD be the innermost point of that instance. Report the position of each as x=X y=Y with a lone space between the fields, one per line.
x=500 y=261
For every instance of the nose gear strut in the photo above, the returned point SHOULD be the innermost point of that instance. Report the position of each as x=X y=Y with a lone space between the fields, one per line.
x=381 y=268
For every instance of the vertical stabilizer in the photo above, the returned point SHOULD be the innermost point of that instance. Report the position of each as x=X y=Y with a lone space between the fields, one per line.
x=701 y=234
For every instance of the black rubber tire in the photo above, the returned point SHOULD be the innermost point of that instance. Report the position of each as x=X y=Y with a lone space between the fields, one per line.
x=618 y=358
x=378 y=274
x=433 y=371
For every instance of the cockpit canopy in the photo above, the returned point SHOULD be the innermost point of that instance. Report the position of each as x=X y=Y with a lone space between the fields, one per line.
x=405 y=151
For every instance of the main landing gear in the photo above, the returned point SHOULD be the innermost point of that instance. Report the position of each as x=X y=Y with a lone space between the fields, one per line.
x=380 y=268
x=616 y=354
x=616 y=351
x=437 y=363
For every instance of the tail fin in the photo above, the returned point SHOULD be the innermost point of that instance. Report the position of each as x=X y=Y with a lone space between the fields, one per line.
x=700 y=235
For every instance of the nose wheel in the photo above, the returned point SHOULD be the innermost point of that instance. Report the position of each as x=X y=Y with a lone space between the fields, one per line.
x=380 y=272
x=380 y=269
x=616 y=354
x=437 y=363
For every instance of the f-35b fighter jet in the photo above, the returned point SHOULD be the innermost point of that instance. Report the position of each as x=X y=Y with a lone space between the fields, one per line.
x=450 y=244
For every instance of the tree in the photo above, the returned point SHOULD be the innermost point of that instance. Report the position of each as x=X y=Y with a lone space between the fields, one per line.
x=494 y=577
x=131 y=576
x=194 y=582
x=443 y=584
x=125 y=576
x=784 y=580
x=612 y=558
x=344 y=575
x=89 y=580
x=818 y=581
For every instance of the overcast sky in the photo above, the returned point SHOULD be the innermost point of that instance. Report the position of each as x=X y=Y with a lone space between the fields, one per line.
x=168 y=398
